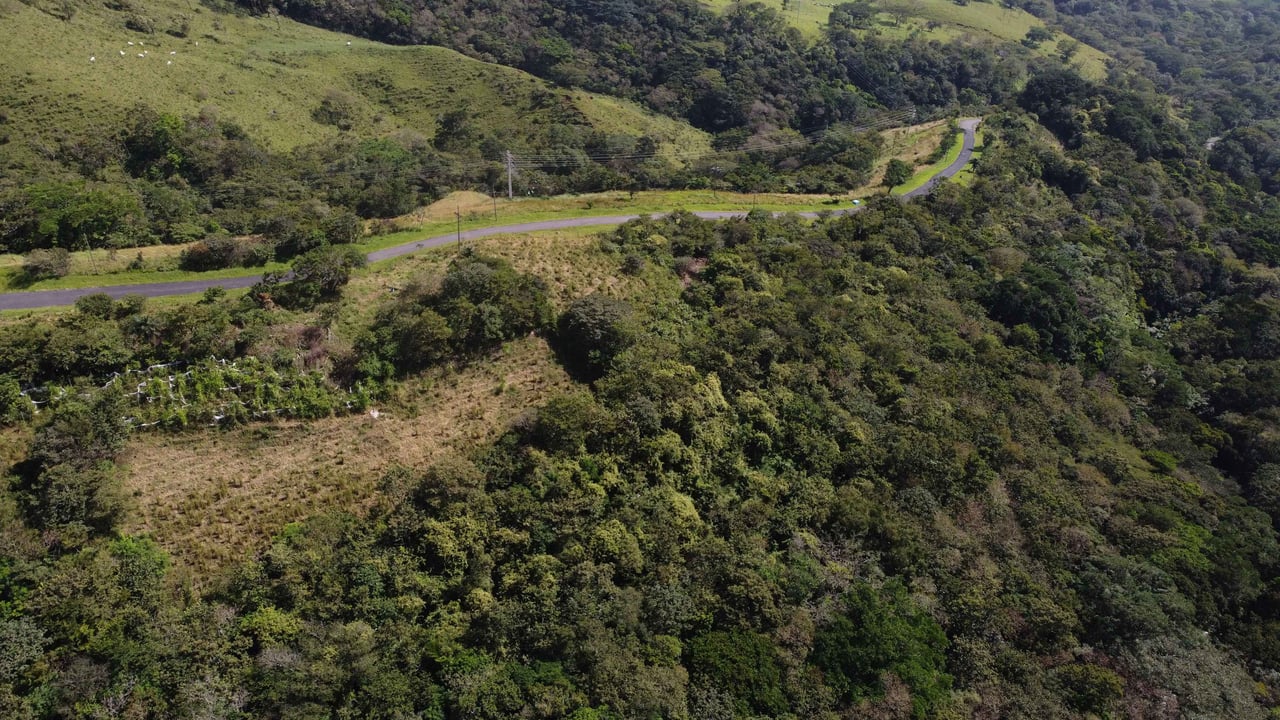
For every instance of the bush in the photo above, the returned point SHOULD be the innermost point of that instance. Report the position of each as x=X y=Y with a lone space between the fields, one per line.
x=82 y=434
x=80 y=498
x=46 y=264
x=591 y=332
x=336 y=108
x=221 y=252
x=897 y=173
x=14 y=407
x=215 y=253
x=342 y=227
x=633 y=264
x=97 y=305
x=319 y=275
x=487 y=302
x=140 y=23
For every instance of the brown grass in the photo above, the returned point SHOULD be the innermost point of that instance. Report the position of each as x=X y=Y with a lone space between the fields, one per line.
x=464 y=201
x=912 y=145
x=213 y=498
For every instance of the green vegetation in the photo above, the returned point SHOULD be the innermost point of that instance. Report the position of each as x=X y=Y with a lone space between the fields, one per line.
x=267 y=75
x=481 y=303
x=1007 y=450
x=940 y=20
x=918 y=461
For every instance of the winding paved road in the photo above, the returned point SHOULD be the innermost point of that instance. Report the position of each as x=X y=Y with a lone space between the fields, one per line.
x=49 y=298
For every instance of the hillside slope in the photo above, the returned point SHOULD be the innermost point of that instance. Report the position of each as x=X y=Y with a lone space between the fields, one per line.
x=940 y=20
x=269 y=75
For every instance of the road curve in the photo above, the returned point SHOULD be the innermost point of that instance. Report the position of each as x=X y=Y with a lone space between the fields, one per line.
x=49 y=298
x=969 y=126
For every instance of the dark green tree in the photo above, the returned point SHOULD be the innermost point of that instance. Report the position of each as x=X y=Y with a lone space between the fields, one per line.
x=882 y=631
x=591 y=331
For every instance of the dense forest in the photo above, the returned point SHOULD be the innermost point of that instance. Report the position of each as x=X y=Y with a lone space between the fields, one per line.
x=745 y=68
x=1007 y=451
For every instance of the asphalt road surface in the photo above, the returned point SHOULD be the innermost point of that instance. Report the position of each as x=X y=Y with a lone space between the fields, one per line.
x=49 y=298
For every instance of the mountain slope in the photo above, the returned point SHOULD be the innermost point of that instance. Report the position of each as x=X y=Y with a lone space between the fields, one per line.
x=270 y=75
x=940 y=20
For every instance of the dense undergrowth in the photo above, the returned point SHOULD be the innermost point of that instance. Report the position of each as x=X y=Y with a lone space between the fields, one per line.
x=1005 y=452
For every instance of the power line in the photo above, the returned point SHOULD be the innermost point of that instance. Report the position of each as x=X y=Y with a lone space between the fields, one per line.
x=811 y=137
x=512 y=163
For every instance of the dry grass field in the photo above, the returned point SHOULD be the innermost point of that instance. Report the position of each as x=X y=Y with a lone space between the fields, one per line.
x=212 y=498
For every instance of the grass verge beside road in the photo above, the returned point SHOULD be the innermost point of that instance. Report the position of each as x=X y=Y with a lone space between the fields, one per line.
x=925 y=174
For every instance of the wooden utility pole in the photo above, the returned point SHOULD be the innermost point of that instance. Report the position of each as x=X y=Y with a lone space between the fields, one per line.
x=457 y=212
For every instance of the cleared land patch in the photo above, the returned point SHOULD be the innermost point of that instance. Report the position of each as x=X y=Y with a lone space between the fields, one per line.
x=212 y=498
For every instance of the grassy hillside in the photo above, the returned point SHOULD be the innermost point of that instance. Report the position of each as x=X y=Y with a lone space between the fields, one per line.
x=268 y=75
x=940 y=19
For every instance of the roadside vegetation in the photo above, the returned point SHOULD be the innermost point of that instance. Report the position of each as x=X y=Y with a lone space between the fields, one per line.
x=165 y=263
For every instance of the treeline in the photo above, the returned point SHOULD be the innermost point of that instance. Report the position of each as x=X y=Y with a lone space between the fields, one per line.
x=1218 y=59
x=745 y=68
x=168 y=179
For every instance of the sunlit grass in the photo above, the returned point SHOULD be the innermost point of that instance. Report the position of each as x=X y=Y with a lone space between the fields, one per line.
x=936 y=20
x=265 y=74
x=923 y=175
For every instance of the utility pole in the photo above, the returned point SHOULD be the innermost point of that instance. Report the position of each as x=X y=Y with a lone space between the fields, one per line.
x=511 y=163
x=457 y=212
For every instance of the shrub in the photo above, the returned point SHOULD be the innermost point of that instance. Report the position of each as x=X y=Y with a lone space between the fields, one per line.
x=319 y=275
x=633 y=264
x=98 y=305
x=75 y=498
x=591 y=332
x=140 y=23
x=221 y=252
x=336 y=108
x=14 y=407
x=215 y=253
x=342 y=227
x=897 y=173
x=486 y=302
x=46 y=264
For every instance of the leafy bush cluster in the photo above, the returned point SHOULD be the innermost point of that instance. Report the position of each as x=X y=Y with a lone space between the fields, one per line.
x=480 y=303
